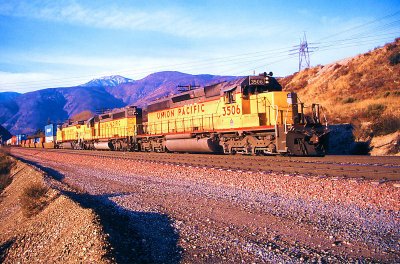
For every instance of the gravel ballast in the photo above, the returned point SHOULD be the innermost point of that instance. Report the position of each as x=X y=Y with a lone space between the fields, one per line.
x=200 y=214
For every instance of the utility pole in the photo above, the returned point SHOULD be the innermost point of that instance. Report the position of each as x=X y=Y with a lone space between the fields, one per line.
x=303 y=50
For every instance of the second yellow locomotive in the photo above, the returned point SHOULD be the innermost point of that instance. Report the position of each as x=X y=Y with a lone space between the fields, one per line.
x=115 y=130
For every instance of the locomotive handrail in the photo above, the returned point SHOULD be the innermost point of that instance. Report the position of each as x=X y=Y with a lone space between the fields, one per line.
x=285 y=125
x=276 y=123
x=159 y=126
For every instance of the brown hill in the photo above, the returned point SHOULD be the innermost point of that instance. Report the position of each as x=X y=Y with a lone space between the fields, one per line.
x=4 y=135
x=42 y=225
x=363 y=90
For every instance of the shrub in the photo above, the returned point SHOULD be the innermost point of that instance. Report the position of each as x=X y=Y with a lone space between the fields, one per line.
x=348 y=100
x=5 y=167
x=375 y=110
x=391 y=46
x=385 y=125
x=33 y=199
x=394 y=58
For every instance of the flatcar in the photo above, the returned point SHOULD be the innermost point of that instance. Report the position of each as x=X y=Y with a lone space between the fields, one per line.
x=250 y=115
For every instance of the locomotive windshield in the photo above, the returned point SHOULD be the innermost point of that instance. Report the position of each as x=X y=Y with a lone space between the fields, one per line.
x=260 y=84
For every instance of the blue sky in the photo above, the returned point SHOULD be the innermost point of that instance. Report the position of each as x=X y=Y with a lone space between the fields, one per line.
x=64 y=43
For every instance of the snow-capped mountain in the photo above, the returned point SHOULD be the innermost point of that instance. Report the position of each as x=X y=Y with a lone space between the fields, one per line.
x=108 y=81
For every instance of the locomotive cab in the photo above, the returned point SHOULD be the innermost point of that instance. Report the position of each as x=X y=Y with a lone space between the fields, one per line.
x=260 y=84
x=275 y=120
x=262 y=97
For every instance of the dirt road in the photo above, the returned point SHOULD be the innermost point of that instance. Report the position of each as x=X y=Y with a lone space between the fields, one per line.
x=167 y=213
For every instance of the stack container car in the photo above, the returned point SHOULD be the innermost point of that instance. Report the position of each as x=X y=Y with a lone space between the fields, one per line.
x=31 y=142
x=39 y=140
x=20 y=139
x=14 y=141
x=50 y=132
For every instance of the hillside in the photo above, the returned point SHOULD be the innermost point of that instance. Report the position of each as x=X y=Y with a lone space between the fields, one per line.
x=4 y=134
x=8 y=105
x=363 y=90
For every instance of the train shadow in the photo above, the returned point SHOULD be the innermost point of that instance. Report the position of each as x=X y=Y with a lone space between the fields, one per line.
x=342 y=141
x=133 y=236
x=54 y=174
x=4 y=248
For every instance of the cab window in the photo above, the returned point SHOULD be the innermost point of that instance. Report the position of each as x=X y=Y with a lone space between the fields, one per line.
x=229 y=97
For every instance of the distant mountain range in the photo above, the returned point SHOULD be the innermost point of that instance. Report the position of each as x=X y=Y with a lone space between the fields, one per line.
x=25 y=113
x=363 y=90
x=108 y=81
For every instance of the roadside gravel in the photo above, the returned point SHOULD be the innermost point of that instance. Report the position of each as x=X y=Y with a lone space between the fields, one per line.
x=62 y=232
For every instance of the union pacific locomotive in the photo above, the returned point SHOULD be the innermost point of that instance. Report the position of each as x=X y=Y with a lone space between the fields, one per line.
x=250 y=115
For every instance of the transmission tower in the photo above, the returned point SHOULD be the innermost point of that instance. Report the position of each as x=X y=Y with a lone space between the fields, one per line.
x=303 y=50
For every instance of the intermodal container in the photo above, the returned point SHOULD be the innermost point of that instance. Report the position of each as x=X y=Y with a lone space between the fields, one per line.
x=50 y=139
x=20 y=138
x=50 y=130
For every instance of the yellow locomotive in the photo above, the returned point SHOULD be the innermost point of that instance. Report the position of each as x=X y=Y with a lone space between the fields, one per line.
x=250 y=115
x=115 y=130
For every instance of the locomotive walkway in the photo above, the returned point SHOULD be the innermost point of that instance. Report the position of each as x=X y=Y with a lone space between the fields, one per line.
x=170 y=208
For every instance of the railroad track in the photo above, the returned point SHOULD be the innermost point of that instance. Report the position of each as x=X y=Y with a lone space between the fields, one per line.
x=358 y=167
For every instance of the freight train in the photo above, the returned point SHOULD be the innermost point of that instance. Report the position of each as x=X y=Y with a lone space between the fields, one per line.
x=250 y=115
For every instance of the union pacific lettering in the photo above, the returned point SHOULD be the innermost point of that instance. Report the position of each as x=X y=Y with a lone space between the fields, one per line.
x=181 y=111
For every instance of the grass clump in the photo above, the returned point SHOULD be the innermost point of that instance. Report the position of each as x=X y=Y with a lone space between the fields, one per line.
x=386 y=124
x=394 y=58
x=6 y=163
x=375 y=110
x=348 y=100
x=34 y=199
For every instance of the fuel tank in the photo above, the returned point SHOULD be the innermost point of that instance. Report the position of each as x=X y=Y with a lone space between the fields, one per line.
x=203 y=145
x=66 y=145
x=103 y=146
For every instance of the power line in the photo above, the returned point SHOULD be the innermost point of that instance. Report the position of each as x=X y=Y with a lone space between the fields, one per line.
x=197 y=62
x=242 y=60
x=252 y=57
x=362 y=25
